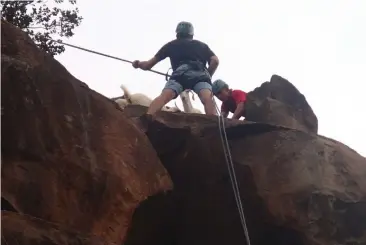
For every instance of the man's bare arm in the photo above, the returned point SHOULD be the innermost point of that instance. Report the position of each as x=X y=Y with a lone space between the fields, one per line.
x=239 y=111
x=214 y=63
x=147 y=65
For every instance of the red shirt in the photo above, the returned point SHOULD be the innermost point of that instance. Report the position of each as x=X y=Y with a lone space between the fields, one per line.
x=237 y=96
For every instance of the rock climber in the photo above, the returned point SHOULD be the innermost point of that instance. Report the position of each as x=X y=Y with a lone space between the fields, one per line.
x=232 y=100
x=188 y=58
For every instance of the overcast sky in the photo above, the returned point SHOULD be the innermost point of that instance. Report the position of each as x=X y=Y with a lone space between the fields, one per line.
x=318 y=45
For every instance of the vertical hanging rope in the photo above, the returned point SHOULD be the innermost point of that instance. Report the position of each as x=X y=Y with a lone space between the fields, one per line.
x=232 y=174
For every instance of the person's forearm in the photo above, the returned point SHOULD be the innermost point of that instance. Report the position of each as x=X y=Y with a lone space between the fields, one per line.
x=239 y=111
x=212 y=68
x=144 y=65
x=214 y=63
x=147 y=65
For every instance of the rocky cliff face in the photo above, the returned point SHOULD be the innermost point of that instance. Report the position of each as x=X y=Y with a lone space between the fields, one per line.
x=296 y=187
x=77 y=170
x=69 y=155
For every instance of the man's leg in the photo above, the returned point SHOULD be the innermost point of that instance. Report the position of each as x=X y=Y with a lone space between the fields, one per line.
x=204 y=90
x=170 y=91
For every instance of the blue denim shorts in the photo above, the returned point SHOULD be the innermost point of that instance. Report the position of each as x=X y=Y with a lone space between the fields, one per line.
x=195 y=80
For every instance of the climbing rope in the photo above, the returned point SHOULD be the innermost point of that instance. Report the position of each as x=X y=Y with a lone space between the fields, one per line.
x=106 y=55
x=223 y=136
x=231 y=170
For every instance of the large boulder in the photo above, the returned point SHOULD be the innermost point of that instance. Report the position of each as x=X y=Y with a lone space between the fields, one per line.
x=69 y=156
x=297 y=188
x=75 y=167
x=279 y=102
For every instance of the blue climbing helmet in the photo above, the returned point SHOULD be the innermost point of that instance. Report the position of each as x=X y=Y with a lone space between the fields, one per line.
x=185 y=27
x=218 y=85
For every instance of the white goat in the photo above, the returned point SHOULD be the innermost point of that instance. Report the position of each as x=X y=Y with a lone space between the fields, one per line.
x=138 y=99
x=187 y=104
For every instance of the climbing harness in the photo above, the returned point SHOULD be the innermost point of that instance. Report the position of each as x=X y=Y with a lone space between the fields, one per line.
x=167 y=74
x=182 y=75
x=223 y=136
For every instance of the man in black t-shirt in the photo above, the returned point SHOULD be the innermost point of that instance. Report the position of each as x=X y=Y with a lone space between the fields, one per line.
x=188 y=58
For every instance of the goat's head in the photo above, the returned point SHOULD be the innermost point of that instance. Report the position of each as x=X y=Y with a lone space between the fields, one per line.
x=185 y=94
x=119 y=97
x=122 y=103
x=172 y=109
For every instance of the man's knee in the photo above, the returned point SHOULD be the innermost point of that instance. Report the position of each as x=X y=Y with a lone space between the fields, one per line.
x=207 y=101
x=204 y=90
x=205 y=95
x=167 y=95
x=172 y=88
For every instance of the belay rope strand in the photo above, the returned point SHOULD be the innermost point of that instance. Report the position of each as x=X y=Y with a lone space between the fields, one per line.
x=223 y=136
x=105 y=55
x=231 y=170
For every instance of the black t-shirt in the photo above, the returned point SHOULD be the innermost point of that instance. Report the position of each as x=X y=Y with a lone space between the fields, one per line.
x=182 y=50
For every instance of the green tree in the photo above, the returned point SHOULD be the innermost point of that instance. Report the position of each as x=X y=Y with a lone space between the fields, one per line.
x=42 y=21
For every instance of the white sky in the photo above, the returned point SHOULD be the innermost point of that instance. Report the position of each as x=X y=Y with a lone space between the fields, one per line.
x=318 y=45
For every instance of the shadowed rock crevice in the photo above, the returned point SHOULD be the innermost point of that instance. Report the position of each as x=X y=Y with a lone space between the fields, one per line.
x=155 y=221
x=6 y=206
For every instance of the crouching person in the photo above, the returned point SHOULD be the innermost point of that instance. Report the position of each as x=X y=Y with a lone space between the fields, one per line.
x=188 y=58
x=232 y=100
